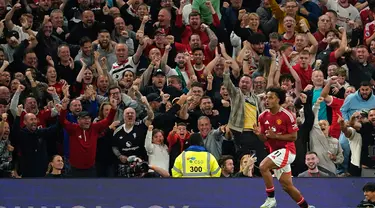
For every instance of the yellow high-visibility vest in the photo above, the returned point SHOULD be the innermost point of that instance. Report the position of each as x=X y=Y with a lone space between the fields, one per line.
x=196 y=164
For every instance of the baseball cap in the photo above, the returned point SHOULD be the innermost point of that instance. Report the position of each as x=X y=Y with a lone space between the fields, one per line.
x=159 y=71
x=159 y=31
x=153 y=97
x=12 y=33
x=84 y=114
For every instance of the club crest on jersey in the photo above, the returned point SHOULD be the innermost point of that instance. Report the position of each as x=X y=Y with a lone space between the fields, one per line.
x=134 y=135
x=279 y=121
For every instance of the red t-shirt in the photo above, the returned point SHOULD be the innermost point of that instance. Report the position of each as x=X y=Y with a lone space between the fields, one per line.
x=291 y=40
x=208 y=54
x=336 y=104
x=304 y=74
x=283 y=122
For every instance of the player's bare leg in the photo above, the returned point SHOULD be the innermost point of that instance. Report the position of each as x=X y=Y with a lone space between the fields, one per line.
x=287 y=184
x=265 y=169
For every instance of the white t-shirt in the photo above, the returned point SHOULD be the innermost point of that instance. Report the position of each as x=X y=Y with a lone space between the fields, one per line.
x=343 y=14
x=23 y=35
x=355 y=143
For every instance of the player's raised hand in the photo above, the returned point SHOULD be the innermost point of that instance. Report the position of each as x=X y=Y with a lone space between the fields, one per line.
x=256 y=129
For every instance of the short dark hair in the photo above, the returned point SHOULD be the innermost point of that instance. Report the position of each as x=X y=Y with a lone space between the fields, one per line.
x=280 y=93
x=332 y=11
x=196 y=139
x=104 y=31
x=276 y=35
x=84 y=40
x=285 y=46
x=196 y=49
x=287 y=77
x=370 y=186
x=196 y=84
x=182 y=124
x=311 y=153
x=114 y=87
x=205 y=97
x=223 y=159
x=176 y=77
x=192 y=35
x=365 y=84
x=194 y=14
x=362 y=46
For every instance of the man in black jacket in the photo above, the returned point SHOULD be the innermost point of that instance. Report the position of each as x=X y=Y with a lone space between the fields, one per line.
x=34 y=159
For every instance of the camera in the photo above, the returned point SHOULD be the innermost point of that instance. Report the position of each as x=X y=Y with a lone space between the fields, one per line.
x=135 y=167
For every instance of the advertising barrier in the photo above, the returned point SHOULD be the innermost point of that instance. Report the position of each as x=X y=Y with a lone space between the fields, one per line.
x=174 y=193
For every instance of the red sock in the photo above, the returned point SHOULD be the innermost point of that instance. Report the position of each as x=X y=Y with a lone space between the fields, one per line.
x=302 y=203
x=270 y=192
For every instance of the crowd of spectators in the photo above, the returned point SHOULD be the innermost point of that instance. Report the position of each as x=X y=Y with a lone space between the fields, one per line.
x=94 y=88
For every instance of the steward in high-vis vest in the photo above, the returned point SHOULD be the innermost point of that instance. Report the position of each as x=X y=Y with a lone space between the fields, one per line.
x=195 y=161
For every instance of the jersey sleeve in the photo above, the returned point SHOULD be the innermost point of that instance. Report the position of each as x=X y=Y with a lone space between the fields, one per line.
x=261 y=124
x=332 y=57
x=291 y=123
x=368 y=31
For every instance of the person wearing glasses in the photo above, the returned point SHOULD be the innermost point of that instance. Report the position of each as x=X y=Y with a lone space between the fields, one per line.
x=290 y=9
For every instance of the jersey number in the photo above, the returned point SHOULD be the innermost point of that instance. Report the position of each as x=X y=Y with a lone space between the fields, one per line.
x=195 y=169
x=277 y=153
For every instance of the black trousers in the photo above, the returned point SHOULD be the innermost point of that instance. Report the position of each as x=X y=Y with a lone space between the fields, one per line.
x=247 y=142
x=83 y=173
x=354 y=170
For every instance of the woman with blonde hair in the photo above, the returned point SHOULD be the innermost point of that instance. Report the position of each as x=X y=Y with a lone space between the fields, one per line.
x=246 y=166
x=55 y=167
x=247 y=25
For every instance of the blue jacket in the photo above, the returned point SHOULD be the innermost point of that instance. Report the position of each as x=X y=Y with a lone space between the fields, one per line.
x=354 y=102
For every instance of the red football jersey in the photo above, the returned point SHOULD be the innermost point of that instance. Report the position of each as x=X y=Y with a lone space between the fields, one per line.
x=336 y=104
x=283 y=122
x=369 y=30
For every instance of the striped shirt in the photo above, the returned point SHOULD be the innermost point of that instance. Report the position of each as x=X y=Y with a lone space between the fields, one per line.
x=117 y=71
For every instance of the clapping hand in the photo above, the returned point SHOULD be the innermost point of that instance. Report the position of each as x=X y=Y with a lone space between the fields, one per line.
x=271 y=134
x=256 y=130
